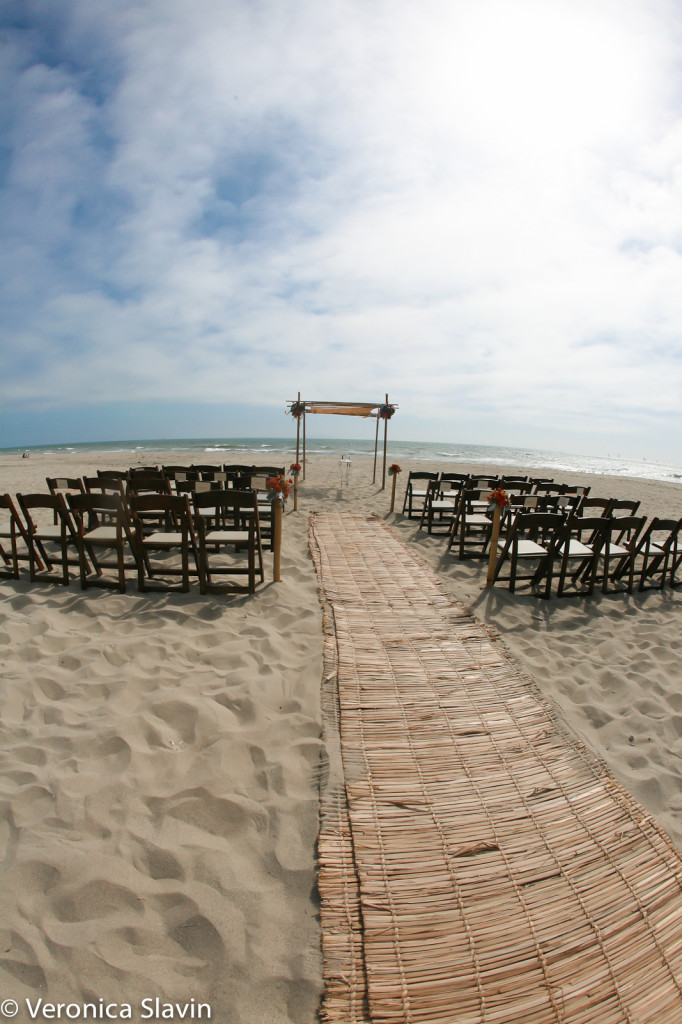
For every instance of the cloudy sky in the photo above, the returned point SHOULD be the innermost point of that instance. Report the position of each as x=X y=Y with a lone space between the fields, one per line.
x=474 y=206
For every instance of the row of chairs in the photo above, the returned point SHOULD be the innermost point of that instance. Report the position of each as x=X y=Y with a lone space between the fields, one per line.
x=561 y=531
x=433 y=496
x=583 y=551
x=175 y=480
x=158 y=536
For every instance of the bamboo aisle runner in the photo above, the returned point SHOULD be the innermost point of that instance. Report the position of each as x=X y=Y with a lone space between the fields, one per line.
x=483 y=868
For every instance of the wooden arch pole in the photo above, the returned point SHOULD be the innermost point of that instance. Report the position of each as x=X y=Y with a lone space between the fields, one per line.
x=383 y=478
x=298 y=432
x=304 y=442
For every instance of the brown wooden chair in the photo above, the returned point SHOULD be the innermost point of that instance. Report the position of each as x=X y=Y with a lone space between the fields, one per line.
x=65 y=485
x=232 y=528
x=102 y=523
x=44 y=537
x=416 y=490
x=14 y=542
x=620 y=550
x=530 y=550
x=163 y=527
x=102 y=485
x=659 y=553
x=583 y=540
x=439 y=508
x=472 y=525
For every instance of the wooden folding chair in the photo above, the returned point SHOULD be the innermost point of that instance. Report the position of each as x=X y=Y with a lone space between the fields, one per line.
x=582 y=541
x=163 y=525
x=472 y=524
x=529 y=551
x=439 y=507
x=660 y=551
x=102 y=522
x=14 y=542
x=232 y=523
x=60 y=532
x=416 y=490
x=620 y=550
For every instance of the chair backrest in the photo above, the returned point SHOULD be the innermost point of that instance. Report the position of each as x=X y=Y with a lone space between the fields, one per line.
x=516 y=485
x=595 y=506
x=175 y=508
x=547 y=487
x=144 y=471
x=626 y=529
x=623 y=507
x=192 y=486
x=103 y=485
x=545 y=528
x=661 y=532
x=99 y=508
x=592 y=530
x=227 y=501
x=260 y=476
x=113 y=474
x=64 y=484
x=148 y=484
x=578 y=489
x=421 y=475
x=51 y=502
x=483 y=481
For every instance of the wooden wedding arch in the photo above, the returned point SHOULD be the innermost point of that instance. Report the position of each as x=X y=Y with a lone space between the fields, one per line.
x=381 y=411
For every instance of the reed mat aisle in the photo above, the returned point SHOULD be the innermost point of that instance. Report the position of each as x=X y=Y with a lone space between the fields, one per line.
x=477 y=866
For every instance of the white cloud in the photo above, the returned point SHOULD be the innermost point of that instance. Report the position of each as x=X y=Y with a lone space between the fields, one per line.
x=476 y=206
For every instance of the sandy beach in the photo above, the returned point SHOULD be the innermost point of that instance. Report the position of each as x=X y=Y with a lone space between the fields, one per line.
x=161 y=754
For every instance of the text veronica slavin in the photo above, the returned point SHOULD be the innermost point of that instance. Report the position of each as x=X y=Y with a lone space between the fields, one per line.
x=150 y=1009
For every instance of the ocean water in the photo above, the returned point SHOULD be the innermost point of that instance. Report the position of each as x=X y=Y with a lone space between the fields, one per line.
x=279 y=450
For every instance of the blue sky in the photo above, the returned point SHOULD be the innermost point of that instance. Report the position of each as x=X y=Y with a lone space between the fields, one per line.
x=473 y=205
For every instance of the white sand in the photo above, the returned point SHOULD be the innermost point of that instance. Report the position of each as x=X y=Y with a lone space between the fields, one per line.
x=160 y=755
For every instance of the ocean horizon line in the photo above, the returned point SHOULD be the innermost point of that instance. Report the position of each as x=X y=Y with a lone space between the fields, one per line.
x=418 y=451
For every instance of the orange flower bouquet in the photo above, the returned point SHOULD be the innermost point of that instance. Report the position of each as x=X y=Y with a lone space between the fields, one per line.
x=497 y=497
x=278 y=488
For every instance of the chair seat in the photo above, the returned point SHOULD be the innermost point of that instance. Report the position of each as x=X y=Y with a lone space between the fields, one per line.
x=443 y=506
x=227 y=536
x=163 y=538
x=101 y=535
x=49 y=533
x=478 y=520
x=576 y=549
x=528 y=549
x=618 y=550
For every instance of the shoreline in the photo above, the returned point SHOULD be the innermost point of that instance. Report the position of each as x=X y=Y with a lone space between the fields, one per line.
x=162 y=753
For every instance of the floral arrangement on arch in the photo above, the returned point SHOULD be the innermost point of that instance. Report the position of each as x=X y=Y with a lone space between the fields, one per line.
x=394 y=468
x=295 y=468
x=386 y=411
x=278 y=488
x=297 y=409
x=498 y=497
